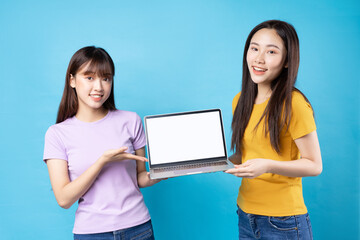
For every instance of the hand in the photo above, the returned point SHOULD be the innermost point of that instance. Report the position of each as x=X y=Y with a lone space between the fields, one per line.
x=115 y=155
x=251 y=168
x=153 y=181
x=144 y=179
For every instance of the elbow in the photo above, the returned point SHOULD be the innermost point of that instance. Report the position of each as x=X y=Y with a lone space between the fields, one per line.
x=64 y=204
x=317 y=171
x=142 y=184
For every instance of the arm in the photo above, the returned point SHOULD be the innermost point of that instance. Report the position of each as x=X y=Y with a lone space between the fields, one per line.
x=68 y=192
x=143 y=176
x=310 y=163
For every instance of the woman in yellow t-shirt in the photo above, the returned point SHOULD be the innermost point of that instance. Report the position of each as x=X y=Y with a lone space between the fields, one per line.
x=274 y=137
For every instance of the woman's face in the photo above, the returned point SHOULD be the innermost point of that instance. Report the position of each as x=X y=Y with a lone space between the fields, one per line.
x=266 y=56
x=92 y=90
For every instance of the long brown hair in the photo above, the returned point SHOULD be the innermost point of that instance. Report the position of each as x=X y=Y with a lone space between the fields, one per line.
x=100 y=63
x=277 y=113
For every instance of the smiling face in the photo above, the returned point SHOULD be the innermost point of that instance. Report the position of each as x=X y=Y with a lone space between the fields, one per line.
x=266 y=56
x=92 y=90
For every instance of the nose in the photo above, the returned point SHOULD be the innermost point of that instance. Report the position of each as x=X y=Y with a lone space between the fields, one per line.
x=260 y=58
x=98 y=85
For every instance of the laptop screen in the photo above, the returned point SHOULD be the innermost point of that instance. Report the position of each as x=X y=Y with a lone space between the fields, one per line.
x=182 y=137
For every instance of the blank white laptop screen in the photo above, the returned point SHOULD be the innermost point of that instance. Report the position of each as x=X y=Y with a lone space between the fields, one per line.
x=185 y=137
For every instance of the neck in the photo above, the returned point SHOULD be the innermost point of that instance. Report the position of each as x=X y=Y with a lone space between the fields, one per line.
x=91 y=115
x=264 y=92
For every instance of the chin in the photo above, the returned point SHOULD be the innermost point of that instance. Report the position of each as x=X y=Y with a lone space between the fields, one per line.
x=257 y=81
x=96 y=106
x=260 y=81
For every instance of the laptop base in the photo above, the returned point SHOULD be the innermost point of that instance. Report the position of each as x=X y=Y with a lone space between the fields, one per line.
x=217 y=167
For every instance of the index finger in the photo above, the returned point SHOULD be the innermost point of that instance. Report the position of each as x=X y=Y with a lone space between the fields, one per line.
x=119 y=150
x=135 y=157
x=235 y=170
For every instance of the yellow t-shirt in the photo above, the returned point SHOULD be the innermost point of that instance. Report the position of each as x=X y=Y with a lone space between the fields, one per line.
x=271 y=194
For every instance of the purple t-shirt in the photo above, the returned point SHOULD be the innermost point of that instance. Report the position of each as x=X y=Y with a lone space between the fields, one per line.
x=114 y=201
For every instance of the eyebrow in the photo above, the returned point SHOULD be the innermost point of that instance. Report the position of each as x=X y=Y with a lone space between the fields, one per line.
x=269 y=45
x=89 y=73
x=94 y=73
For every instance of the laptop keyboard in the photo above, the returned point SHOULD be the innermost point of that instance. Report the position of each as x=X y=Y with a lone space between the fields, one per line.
x=189 y=166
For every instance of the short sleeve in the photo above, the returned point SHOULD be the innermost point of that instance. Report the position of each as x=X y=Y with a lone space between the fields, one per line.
x=302 y=118
x=54 y=147
x=139 y=140
x=235 y=102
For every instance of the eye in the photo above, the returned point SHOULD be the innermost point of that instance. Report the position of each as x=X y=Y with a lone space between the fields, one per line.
x=89 y=78
x=254 y=49
x=272 y=52
x=107 y=79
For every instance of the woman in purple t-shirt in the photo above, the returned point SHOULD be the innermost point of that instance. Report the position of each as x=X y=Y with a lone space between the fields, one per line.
x=95 y=154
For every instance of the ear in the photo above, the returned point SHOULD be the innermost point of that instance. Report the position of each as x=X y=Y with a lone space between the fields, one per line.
x=286 y=65
x=72 y=81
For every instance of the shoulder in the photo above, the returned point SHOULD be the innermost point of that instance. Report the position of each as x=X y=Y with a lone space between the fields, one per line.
x=62 y=131
x=299 y=101
x=237 y=96
x=302 y=116
x=298 y=96
x=132 y=122
x=58 y=127
x=235 y=101
x=53 y=136
x=125 y=114
x=126 y=117
x=51 y=131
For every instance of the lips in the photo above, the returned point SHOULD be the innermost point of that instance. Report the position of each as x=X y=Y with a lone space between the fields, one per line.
x=96 y=97
x=258 y=70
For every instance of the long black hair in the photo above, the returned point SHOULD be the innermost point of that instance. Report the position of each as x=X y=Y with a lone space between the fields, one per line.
x=277 y=113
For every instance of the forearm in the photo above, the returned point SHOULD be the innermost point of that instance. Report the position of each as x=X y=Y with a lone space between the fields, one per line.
x=296 y=168
x=293 y=168
x=69 y=193
x=144 y=179
x=309 y=165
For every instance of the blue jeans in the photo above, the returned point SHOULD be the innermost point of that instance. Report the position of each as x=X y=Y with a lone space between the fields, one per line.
x=265 y=227
x=140 y=232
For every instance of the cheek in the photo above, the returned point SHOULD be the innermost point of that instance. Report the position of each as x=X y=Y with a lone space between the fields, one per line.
x=108 y=89
x=249 y=59
x=277 y=69
x=80 y=86
x=277 y=64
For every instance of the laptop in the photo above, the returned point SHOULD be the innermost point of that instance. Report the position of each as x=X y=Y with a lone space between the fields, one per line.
x=186 y=143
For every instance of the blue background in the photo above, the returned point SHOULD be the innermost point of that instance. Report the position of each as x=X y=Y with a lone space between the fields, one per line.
x=174 y=56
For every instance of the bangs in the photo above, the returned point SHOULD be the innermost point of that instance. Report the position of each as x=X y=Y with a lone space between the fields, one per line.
x=101 y=67
x=93 y=61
